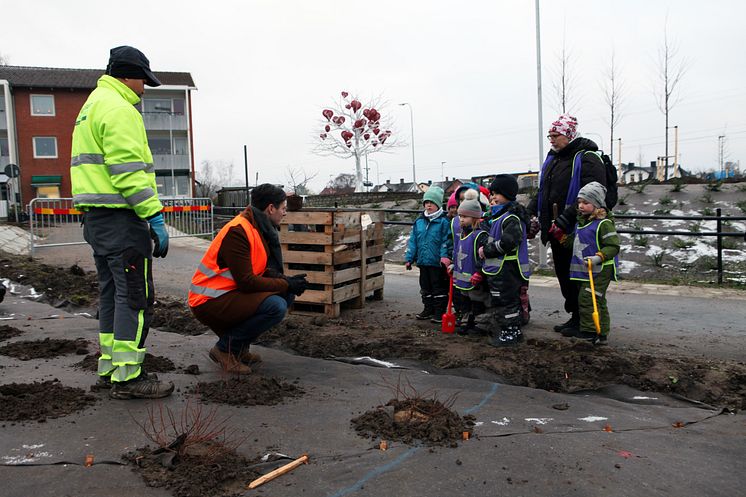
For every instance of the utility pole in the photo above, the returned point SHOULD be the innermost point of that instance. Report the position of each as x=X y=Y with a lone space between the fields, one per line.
x=676 y=152
x=619 y=167
x=246 y=172
x=442 y=171
x=721 y=139
x=542 y=247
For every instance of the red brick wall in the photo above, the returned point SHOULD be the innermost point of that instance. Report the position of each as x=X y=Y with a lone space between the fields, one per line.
x=67 y=104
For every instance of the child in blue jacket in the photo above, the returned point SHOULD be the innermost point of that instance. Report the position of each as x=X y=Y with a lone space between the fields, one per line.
x=426 y=248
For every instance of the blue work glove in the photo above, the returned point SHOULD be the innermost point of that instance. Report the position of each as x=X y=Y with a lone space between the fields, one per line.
x=159 y=235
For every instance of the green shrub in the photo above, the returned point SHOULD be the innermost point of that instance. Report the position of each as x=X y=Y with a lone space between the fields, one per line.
x=622 y=200
x=678 y=186
x=695 y=228
x=661 y=212
x=714 y=186
x=681 y=243
x=707 y=211
x=640 y=240
x=706 y=198
x=657 y=258
x=640 y=187
x=665 y=200
x=741 y=204
x=730 y=242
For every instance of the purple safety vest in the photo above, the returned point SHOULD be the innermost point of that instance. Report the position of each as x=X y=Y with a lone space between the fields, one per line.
x=465 y=259
x=586 y=245
x=520 y=254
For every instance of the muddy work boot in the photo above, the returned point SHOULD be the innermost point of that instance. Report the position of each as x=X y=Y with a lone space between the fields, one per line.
x=228 y=362
x=247 y=357
x=591 y=336
x=506 y=337
x=572 y=323
x=143 y=387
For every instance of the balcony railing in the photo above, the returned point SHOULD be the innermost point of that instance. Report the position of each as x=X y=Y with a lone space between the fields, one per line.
x=164 y=121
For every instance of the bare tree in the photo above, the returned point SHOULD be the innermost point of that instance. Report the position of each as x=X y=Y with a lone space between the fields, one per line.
x=351 y=129
x=298 y=180
x=211 y=176
x=4 y=60
x=671 y=69
x=342 y=180
x=565 y=81
x=613 y=88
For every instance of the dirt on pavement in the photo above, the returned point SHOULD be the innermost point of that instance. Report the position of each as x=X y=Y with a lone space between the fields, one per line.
x=152 y=363
x=194 y=473
x=174 y=316
x=48 y=348
x=414 y=421
x=41 y=400
x=560 y=365
x=251 y=390
x=7 y=332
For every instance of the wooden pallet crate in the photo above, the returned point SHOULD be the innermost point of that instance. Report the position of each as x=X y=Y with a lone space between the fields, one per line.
x=341 y=253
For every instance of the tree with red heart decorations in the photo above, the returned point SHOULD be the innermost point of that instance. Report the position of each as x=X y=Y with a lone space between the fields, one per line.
x=350 y=128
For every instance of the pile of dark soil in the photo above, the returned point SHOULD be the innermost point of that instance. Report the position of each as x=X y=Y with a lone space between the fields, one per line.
x=174 y=316
x=7 y=332
x=152 y=363
x=416 y=420
x=44 y=349
x=60 y=286
x=560 y=365
x=39 y=401
x=194 y=474
x=251 y=390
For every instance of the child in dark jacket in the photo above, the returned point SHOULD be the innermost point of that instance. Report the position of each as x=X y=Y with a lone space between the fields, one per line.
x=594 y=240
x=506 y=262
x=427 y=248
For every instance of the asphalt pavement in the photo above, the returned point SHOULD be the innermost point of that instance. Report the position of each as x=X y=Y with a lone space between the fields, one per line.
x=616 y=442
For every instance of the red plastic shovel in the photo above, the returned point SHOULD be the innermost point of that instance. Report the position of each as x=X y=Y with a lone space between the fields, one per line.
x=448 y=325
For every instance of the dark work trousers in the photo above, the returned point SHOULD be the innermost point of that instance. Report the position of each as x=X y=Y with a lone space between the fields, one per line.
x=122 y=250
x=434 y=288
x=561 y=257
x=270 y=312
x=505 y=296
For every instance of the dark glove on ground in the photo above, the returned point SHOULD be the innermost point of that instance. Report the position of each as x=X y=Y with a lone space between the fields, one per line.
x=297 y=284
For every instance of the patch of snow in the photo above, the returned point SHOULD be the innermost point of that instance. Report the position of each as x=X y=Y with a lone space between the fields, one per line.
x=591 y=419
x=502 y=422
x=539 y=421
x=377 y=361
x=401 y=242
x=642 y=397
x=626 y=266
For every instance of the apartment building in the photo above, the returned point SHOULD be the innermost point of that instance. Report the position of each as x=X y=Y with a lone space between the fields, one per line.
x=38 y=107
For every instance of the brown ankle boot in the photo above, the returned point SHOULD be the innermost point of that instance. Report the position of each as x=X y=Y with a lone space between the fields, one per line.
x=228 y=362
x=247 y=357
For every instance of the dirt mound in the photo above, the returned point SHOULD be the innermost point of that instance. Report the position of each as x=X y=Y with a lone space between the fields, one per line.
x=562 y=365
x=39 y=401
x=174 y=316
x=152 y=363
x=44 y=349
x=252 y=390
x=60 y=286
x=412 y=421
x=193 y=474
x=7 y=332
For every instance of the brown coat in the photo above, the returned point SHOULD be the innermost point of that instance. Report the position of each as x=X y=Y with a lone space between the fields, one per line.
x=224 y=312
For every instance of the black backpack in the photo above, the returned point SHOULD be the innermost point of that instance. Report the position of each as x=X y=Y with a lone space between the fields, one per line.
x=612 y=189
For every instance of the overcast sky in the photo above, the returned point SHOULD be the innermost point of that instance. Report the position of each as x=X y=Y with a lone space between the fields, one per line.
x=265 y=70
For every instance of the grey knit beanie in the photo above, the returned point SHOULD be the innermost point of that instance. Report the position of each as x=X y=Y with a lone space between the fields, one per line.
x=595 y=193
x=471 y=206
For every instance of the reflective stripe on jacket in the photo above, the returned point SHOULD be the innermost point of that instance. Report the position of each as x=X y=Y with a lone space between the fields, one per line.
x=209 y=280
x=111 y=164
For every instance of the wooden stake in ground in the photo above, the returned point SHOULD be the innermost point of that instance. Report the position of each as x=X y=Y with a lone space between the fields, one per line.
x=279 y=471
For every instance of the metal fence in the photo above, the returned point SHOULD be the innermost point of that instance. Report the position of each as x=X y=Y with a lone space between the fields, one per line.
x=55 y=222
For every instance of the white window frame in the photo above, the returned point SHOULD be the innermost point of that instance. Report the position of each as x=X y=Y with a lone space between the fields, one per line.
x=31 y=103
x=56 y=150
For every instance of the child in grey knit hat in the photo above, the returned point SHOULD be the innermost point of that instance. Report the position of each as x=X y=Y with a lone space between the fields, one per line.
x=595 y=242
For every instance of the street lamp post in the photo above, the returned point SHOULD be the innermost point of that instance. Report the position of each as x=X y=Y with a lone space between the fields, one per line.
x=442 y=170
x=411 y=122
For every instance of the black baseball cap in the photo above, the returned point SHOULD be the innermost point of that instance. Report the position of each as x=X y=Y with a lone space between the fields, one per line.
x=129 y=62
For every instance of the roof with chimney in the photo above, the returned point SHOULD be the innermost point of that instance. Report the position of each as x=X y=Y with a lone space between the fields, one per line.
x=56 y=77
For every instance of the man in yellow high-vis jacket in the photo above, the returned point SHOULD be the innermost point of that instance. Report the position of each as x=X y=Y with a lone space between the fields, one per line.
x=113 y=182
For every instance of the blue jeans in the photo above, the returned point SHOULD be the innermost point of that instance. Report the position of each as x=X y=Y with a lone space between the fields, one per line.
x=270 y=312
